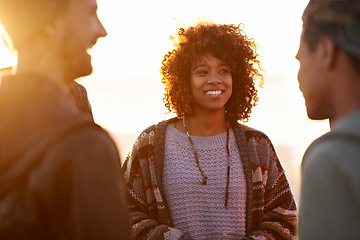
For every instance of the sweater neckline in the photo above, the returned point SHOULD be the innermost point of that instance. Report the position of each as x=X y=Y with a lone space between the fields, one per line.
x=199 y=142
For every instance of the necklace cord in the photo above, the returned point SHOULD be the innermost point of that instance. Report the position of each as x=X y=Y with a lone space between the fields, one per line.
x=204 y=181
x=228 y=166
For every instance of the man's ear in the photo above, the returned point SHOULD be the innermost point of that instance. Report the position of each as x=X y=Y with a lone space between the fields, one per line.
x=328 y=51
x=53 y=31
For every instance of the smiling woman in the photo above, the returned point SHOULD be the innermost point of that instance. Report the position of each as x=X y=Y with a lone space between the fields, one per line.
x=211 y=84
x=205 y=159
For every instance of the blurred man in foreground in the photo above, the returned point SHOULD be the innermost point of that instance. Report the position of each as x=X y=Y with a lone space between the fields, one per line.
x=329 y=77
x=59 y=172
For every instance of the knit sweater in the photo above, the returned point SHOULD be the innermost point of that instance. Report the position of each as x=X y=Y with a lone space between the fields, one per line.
x=270 y=207
x=199 y=210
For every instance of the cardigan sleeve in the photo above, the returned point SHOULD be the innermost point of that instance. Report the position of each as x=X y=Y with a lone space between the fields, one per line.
x=274 y=210
x=148 y=215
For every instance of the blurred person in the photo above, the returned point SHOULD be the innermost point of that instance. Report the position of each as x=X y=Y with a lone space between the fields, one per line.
x=203 y=175
x=59 y=172
x=329 y=78
x=77 y=91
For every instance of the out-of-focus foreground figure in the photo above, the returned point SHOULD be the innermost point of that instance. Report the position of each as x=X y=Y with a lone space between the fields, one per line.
x=329 y=77
x=59 y=171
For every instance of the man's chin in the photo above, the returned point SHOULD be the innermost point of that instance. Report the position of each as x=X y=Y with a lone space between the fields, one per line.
x=316 y=116
x=79 y=73
x=86 y=72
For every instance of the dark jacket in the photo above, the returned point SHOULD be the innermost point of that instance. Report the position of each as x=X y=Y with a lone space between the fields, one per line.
x=59 y=172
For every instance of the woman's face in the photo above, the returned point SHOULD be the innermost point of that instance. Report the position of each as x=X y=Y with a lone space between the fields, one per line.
x=210 y=84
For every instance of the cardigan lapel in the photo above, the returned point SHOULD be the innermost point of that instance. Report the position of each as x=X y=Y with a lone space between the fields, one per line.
x=159 y=158
x=245 y=159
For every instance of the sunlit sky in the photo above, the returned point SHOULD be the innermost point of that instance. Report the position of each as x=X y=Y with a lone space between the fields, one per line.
x=125 y=89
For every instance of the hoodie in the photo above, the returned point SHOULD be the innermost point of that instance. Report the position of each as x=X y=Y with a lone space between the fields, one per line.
x=59 y=171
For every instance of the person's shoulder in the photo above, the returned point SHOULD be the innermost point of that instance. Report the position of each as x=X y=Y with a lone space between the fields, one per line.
x=251 y=133
x=95 y=132
x=333 y=148
x=157 y=128
x=332 y=156
x=334 y=141
x=80 y=144
x=84 y=134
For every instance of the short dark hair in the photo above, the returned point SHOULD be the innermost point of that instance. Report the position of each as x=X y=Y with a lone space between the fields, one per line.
x=339 y=21
x=354 y=61
x=22 y=19
x=311 y=37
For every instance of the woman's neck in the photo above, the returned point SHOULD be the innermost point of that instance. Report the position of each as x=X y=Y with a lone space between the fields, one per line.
x=206 y=125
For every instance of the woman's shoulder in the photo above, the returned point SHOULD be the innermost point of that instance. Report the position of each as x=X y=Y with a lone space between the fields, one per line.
x=158 y=128
x=250 y=132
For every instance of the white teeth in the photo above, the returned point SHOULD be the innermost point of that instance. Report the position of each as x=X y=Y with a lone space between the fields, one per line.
x=216 y=92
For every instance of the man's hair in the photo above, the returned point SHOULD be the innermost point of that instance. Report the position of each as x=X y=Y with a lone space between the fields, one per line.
x=225 y=42
x=311 y=37
x=23 y=19
x=355 y=61
x=339 y=20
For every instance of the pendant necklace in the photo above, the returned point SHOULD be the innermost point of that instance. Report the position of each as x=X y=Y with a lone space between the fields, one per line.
x=204 y=180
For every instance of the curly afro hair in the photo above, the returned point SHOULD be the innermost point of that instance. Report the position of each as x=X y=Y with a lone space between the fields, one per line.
x=225 y=42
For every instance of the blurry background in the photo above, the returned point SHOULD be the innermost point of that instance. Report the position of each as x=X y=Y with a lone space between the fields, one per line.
x=126 y=92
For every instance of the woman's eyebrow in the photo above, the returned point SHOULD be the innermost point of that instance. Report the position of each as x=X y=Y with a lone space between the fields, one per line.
x=200 y=65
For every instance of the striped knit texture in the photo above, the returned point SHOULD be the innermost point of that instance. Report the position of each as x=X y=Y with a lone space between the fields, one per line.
x=199 y=209
x=270 y=207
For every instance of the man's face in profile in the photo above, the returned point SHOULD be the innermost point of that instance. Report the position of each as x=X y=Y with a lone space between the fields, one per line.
x=312 y=83
x=81 y=28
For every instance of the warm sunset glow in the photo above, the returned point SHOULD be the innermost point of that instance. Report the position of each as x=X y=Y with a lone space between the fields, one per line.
x=125 y=89
x=127 y=62
x=6 y=58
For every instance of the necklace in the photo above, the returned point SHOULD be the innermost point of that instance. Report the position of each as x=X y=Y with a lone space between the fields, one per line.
x=204 y=180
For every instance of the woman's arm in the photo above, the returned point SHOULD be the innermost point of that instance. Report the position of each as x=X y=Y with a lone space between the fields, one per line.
x=148 y=214
x=274 y=208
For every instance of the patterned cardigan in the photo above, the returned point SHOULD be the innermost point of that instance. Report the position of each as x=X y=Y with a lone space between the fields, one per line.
x=270 y=207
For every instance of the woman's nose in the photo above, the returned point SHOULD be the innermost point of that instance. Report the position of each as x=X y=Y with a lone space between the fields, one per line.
x=213 y=79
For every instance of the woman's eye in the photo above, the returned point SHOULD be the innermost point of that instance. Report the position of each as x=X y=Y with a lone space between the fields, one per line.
x=201 y=72
x=224 y=71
